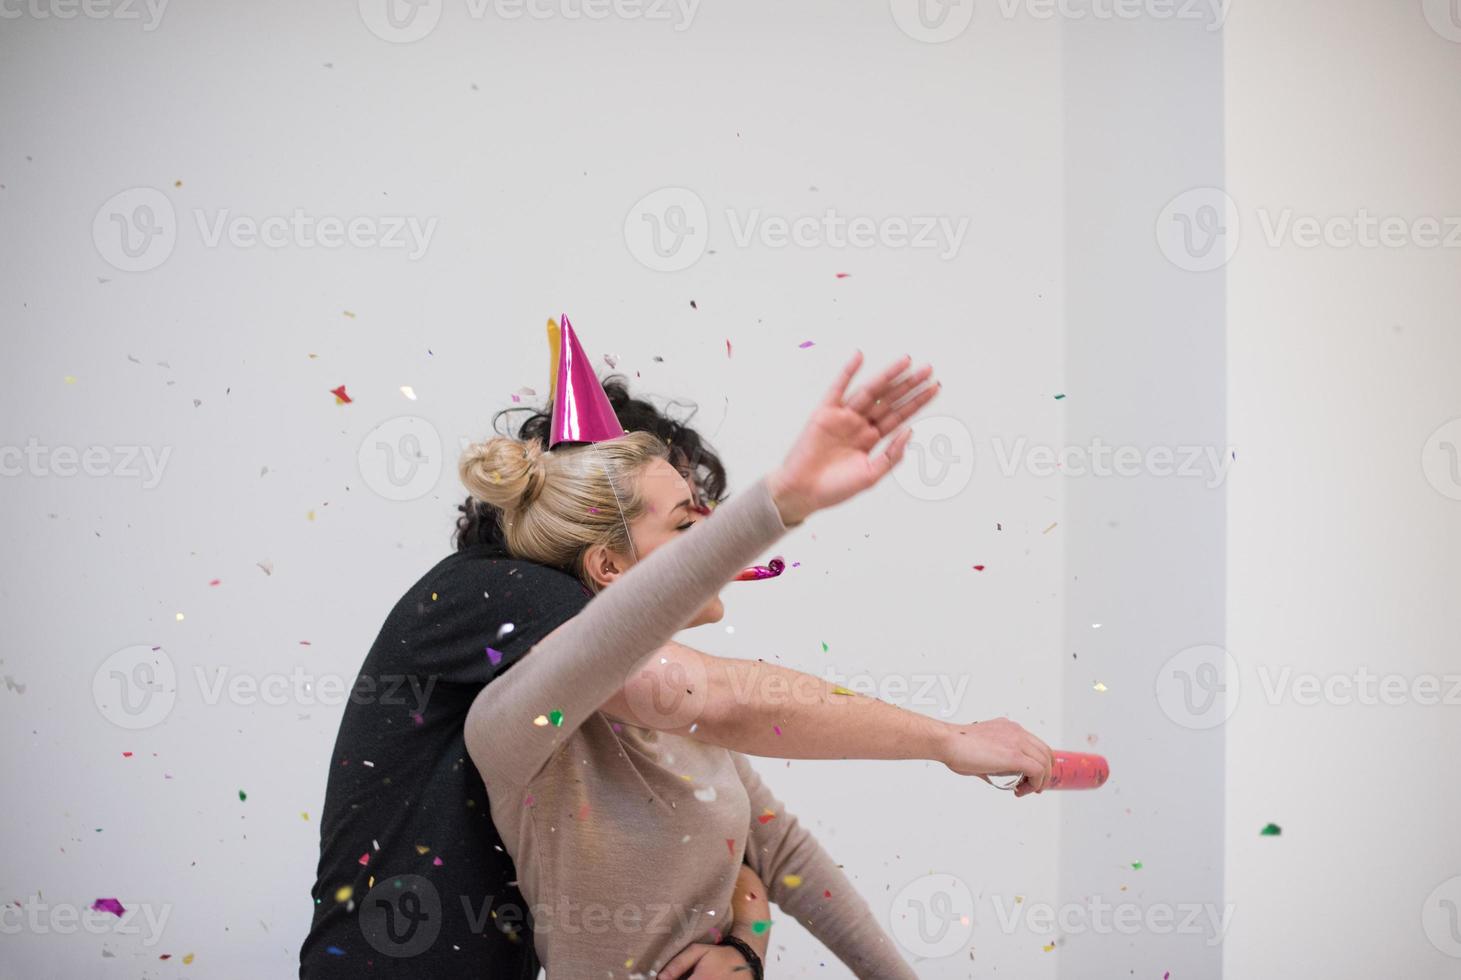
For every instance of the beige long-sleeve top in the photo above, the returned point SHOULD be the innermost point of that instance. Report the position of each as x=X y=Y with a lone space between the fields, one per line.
x=627 y=841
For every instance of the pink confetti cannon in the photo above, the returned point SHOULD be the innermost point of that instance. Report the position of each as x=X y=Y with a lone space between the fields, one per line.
x=1072 y=770
x=756 y=573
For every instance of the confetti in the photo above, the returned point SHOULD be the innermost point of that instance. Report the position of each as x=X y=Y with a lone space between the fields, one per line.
x=727 y=348
x=1060 y=396
x=1135 y=865
x=348 y=313
x=792 y=881
x=978 y=568
x=760 y=926
x=505 y=629
x=422 y=849
x=1050 y=528
x=216 y=581
x=343 y=893
x=1272 y=830
x=730 y=845
x=242 y=796
x=188 y=960
x=1049 y=947
x=776 y=729
x=341 y=397
x=436 y=861
x=612 y=360
x=807 y=343
x=556 y=717
x=1099 y=688
x=334 y=951
x=825 y=648
x=494 y=656
x=843 y=275
x=108 y=905
x=364 y=859
x=767 y=817
x=409 y=392
x=541 y=721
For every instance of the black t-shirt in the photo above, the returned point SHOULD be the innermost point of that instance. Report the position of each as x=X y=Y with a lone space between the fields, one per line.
x=404 y=805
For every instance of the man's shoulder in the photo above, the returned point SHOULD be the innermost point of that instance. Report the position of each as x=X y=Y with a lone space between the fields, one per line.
x=490 y=564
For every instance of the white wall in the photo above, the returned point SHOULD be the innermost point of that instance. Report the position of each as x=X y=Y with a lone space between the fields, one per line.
x=1344 y=522
x=528 y=142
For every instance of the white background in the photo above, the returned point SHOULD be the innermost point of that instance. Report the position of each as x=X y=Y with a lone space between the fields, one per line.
x=529 y=142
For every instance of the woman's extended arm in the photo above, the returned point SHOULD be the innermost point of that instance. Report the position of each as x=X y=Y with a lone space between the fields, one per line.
x=808 y=885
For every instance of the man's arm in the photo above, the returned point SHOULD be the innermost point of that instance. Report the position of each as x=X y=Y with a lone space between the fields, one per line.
x=758 y=708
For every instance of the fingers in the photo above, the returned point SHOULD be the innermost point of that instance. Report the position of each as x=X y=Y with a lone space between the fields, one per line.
x=890 y=457
x=838 y=391
x=866 y=397
x=681 y=965
x=900 y=388
x=910 y=407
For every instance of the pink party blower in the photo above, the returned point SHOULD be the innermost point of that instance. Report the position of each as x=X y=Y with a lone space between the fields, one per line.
x=1072 y=770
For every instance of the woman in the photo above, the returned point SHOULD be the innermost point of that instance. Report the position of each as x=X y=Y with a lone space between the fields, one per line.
x=598 y=815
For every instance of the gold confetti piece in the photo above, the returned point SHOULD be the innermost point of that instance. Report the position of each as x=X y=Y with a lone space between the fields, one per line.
x=349 y=314
x=1099 y=688
x=541 y=721
x=409 y=392
x=1019 y=899
x=844 y=691
x=180 y=617
x=792 y=881
x=304 y=815
x=314 y=357
x=371 y=882
x=1050 y=528
x=1049 y=948
x=187 y=960
x=629 y=963
x=310 y=516
x=433 y=597
x=70 y=380
x=422 y=849
x=343 y=893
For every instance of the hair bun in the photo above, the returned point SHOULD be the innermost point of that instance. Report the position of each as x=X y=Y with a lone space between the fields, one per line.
x=507 y=473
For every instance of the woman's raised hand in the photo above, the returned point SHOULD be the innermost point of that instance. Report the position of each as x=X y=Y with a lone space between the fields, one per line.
x=833 y=458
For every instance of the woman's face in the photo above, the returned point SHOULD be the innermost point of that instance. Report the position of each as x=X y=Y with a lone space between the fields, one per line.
x=670 y=510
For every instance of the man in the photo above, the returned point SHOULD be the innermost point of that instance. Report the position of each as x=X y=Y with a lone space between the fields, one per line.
x=413 y=879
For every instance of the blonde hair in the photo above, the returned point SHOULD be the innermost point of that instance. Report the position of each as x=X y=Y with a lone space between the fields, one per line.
x=556 y=505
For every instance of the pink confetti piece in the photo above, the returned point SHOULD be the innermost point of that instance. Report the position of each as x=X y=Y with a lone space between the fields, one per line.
x=364 y=858
x=978 y=568
x=776 y=729
x=494 y=657
x=436 y=861
x=843 y=275
x=108 y=905
x=727 y=348
x=807 y=343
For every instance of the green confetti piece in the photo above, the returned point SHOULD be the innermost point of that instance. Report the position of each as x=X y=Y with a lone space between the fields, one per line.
x=1135 y=865
x=242 y=795
x=824 y=646
x=1272 y=830
x=760 y=926
x=1060 y=396
x=556 y=718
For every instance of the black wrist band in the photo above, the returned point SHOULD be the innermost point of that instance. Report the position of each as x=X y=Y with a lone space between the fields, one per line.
x=752 y=960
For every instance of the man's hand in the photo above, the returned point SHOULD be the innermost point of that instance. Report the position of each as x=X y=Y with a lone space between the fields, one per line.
x=999 y=747
x=705 y=962
x=749 y=905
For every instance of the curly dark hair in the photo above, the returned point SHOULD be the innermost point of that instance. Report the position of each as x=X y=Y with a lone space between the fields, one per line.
x=689 y=452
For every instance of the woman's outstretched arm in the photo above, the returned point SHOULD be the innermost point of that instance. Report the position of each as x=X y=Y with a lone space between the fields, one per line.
x=808 y=885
